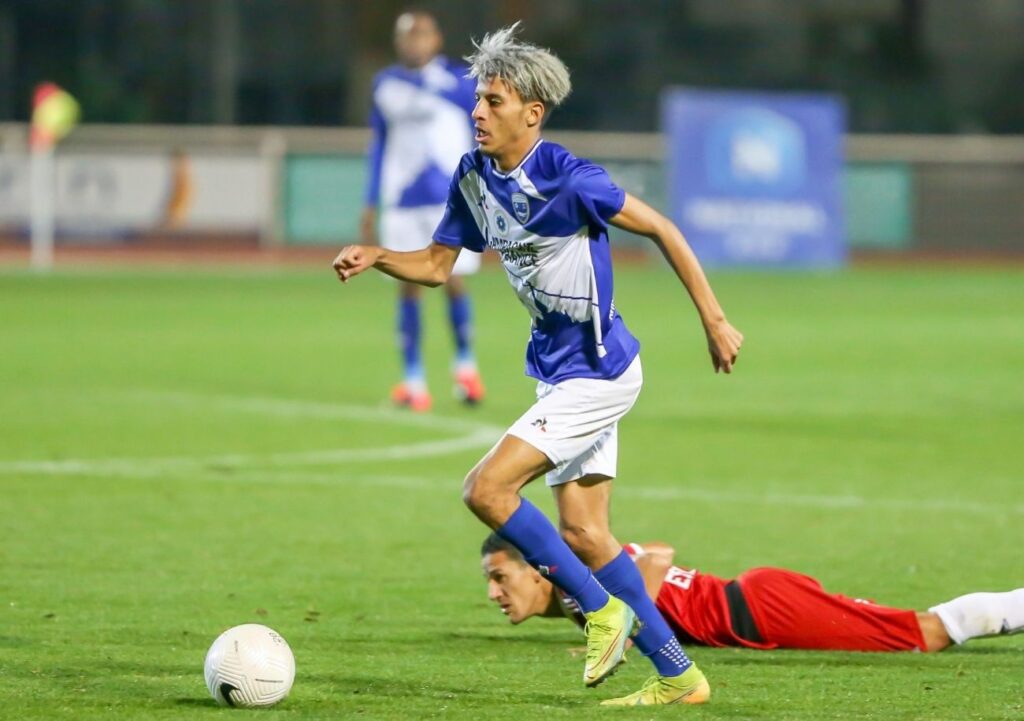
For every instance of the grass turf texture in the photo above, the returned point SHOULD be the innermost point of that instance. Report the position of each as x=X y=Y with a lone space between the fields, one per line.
x=870 y=437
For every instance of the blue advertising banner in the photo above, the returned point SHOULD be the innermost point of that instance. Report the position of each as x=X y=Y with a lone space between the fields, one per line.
x=756 y=178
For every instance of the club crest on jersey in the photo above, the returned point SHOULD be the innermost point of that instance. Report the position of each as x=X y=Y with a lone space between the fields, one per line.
x=501 y=222
x=521 y=207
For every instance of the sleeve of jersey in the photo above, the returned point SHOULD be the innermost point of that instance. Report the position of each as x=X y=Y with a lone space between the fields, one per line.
x=375 y=153
x=458 y=227
x=599 y=198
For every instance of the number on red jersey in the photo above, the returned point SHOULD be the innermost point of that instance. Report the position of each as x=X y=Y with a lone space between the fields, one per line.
x=680 y=577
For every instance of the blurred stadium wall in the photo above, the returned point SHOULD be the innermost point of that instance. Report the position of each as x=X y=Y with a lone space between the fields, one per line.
x=249 y=187
x=238 y=121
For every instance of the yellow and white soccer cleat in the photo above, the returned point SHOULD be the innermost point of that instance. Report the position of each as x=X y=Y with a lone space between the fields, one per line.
x=688 y=687
x=607 y=630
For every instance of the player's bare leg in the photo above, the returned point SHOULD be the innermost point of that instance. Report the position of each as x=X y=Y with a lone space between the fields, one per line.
x=936 y=638
x=469 y=387
x=491 y=491
x=583 y=519
x=412 y=391
x=583 y=515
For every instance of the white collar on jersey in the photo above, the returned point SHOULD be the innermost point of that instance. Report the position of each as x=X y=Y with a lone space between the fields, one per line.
x=519 y=175
x=519 y=167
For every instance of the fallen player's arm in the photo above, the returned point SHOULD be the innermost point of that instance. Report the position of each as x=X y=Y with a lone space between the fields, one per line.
x=431 y=266
x=723 y=340
x=653 y=563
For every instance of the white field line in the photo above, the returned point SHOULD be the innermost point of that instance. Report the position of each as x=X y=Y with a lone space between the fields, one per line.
x=338 y=479
x=159 y=466
x=625 y=490
x=257 y=468
x=823 y=501
x=285 y=408
x=470 y=435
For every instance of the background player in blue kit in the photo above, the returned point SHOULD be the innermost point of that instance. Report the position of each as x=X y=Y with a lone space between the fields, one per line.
x=546 y=212
x=421 y=128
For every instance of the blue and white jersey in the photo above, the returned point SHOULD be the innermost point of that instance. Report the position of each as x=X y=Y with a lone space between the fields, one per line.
x=548 y=219
x=421 y=127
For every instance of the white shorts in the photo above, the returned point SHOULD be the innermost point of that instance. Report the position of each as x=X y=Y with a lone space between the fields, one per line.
x=406 y=229
x=575 y=423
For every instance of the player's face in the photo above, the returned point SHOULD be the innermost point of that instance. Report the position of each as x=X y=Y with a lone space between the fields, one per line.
x=502 y=120
x=417 y=39
x=516 y=587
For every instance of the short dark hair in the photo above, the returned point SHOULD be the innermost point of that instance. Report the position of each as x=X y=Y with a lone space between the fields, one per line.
x=494 y=543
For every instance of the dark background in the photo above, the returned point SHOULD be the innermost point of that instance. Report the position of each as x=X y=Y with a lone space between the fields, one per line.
x=928 y=66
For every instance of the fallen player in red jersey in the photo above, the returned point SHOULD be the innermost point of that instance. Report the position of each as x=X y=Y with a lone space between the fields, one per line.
x=763 y=608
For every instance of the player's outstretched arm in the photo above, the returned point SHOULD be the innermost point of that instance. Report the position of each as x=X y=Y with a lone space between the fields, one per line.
x=431 y=266
x=724 y=341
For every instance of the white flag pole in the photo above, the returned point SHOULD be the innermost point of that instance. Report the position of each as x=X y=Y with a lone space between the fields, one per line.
x=42 y=221
x=54 y=114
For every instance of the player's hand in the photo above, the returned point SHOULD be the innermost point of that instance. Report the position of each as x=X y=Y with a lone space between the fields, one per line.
x=368 y=226
x=724 y=343
x=354 y=259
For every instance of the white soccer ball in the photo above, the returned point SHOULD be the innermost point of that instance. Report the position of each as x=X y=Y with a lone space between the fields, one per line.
x=249 y=665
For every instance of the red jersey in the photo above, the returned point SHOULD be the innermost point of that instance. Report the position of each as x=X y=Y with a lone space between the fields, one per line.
x=695 y=605
x=788 y=609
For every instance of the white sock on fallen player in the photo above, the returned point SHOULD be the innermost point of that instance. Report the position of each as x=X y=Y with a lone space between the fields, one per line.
x=982 y=614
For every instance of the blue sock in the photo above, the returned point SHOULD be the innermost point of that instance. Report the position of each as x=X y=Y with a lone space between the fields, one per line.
x=531 y=532
x=460 y=313
x=655 y=640
x=409 y=337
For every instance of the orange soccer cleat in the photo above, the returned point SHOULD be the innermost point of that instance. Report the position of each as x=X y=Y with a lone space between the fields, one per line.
x=469 y=388
x=415 y=399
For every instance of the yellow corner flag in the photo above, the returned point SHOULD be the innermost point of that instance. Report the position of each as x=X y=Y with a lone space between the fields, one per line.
x=54 y=114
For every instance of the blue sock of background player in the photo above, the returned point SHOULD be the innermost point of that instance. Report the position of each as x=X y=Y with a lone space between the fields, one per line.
x=621 y=578
x=460 y=313
x=531 y=532
x=409 y=335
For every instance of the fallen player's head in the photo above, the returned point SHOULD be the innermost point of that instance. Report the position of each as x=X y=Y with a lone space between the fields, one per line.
x=519 y=589
x=518 y=85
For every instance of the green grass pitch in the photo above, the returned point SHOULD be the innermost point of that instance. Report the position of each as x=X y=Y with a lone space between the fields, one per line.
x=181 y=452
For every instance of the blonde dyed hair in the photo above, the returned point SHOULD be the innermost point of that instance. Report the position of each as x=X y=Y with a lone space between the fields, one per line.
x=535 y=73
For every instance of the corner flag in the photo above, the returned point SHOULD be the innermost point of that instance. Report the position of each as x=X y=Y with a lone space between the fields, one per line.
x=54 y=114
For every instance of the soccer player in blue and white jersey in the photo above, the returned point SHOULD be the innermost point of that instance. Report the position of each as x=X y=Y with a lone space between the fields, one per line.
x=546 y=212
x=421 y=129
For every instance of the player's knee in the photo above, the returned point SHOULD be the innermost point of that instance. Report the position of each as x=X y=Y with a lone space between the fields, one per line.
x=478 y=493
x=470 y=491
x=585 y=540
x=489 y=496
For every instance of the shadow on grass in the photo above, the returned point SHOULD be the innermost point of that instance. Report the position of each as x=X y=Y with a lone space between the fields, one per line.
x=545 y=639
x=193 y=702
x=190 y=705
x=386 y=688
x=107 y=668
x=985 y=651
x=743 y=657
x=14 y=642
